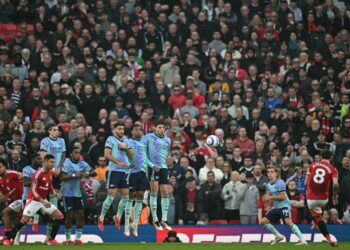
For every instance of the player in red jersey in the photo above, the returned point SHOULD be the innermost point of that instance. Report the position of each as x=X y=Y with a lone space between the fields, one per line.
x=40 y=188
x=318 y=180
x=11 y=189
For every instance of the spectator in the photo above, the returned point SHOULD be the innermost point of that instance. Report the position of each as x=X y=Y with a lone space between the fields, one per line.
x=248 y=197
x=209 y=197
x=246 y=145
x=172 y=238
x=296 y=201
x=17 y=161
x=209 y=167
x=334 y=217
x=259 y=180
x=188 y=201
x=230 y=196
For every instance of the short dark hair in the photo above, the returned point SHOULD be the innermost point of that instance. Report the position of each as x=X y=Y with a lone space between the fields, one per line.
x=211 y=172
x=48 y=157
x=160 y=122
x=326 y=154
x=271 y=167
x=119 y=124
x=136 y=125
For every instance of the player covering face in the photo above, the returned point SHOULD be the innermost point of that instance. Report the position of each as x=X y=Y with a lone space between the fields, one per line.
x=277 y=198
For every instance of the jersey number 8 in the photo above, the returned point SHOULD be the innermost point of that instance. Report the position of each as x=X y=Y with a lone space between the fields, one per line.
x=319 y=176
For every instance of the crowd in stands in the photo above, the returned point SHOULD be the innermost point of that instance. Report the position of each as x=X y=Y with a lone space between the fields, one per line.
x=270 y=78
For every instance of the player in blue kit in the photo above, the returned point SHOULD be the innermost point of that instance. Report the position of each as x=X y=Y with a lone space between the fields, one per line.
x=138 y=180
x=119 y=154
x=16 y=207
x=53 y=145
x=278 y=199
x=158 y=149
x=73 y=171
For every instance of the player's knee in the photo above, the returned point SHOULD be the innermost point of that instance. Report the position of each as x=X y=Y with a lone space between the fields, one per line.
x=264 y=221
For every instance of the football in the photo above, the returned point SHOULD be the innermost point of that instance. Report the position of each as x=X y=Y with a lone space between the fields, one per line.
x=212 y=141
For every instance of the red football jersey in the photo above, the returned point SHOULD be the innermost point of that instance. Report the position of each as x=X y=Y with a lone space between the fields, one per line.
x=11 y=184
x=320 y=175
x=41 y=185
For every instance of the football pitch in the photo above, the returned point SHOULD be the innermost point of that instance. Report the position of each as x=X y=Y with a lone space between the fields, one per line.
x=178 y=246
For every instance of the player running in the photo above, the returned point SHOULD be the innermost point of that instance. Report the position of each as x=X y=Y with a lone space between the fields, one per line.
x=118 y=152
x=158 y=148
x=11 y=188
x=73 y=171
x=53 y=145
x=138 y=179
x=318 y=179
x=40 y=188
x=16 y=207
x=276 y=195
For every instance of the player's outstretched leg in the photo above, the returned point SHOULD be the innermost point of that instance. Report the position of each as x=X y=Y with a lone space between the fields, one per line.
x=121 y=207
x=294 y=228
x=269 y=227
x=58 y=218
x=105 y=207
x=35 y=225
x=322 y=226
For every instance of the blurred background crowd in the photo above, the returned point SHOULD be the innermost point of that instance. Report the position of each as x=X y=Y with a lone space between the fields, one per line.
x=270 y=78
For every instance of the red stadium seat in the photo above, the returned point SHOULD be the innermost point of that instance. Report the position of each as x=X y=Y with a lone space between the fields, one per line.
x=218 y=222
x=235 y=222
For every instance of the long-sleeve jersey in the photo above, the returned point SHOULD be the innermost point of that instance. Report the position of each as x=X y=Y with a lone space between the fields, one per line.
x=41 y=185
x=11 y=184
x=158 y=149
x=140 y=159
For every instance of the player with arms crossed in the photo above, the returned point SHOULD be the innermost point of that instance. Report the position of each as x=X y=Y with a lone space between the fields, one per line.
x=276 y=194
x=53 y=145
x=138 y=180
x=36 y=201
x=318 y=180
x=73 y=171
x=11 y=188
x=17 y=206
x=118 y=153
x=158 y=148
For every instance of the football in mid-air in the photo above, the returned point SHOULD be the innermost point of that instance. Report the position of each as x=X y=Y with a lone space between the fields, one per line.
x=212 y=141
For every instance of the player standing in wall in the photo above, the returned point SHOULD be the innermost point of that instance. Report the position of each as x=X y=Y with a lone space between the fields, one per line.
x=318 y=180
x=119 y=154
x=158 y=149
x=55 y=146
x=36 y=201
x=277 y=197
x=73 y=171
x=138 y=178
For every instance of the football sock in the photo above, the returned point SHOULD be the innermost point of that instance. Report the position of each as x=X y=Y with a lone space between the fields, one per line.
x=128 y=208
x=137 y=211
x=36 y=218
x=79 y=233
x=68 y=232
x=55 y=227
x=322 y=226
x=295 y=229
x=105 y=206
x=165 y=207
x=153 y=204
x=271 y=229
x=121 y=206
x=48 y=230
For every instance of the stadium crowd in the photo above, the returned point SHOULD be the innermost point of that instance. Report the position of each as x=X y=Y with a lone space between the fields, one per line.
x=270 y=78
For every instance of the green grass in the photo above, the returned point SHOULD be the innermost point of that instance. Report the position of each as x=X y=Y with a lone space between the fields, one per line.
x=178 y=246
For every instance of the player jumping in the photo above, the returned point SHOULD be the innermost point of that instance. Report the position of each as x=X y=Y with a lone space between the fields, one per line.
x=118 y=153
x=40 y=188
x=318 y=179
x=53 y=145
x=276 y=194
x=158 y=148
x=73 y=171
x=138 y=179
